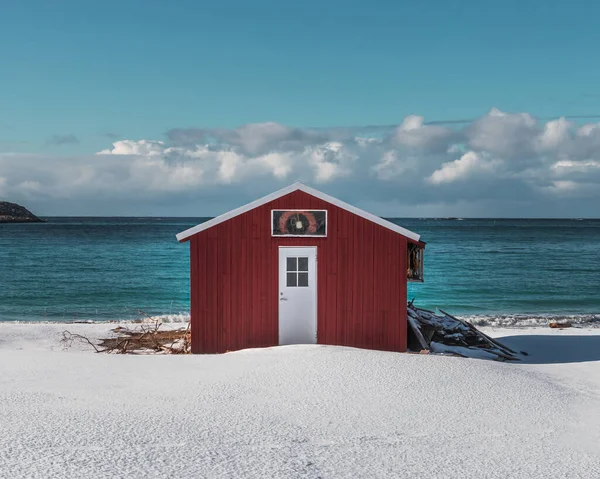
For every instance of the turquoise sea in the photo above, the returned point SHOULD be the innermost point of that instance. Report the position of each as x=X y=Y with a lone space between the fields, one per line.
x=492 y=271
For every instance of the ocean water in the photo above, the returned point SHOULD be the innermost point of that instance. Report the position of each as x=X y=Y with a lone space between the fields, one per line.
x=491 y=271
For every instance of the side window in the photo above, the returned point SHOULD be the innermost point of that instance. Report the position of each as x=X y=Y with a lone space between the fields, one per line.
x=297 y=271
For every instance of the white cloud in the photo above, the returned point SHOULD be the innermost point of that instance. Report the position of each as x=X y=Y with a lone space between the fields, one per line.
x=500 y=162
x=255 y=138
x=588 y=130
x=568 y=190
x=367 y=142
x=130 y=147
x=280 y=164
x=252 y=139
x=468 y=165
x=392 y=165
x=28 y=185
x=566 y=165
x=504 y=135
x=157 y=175
x=330 y=161
x=565 y=185
x=218 y=165
x=554 y=134
x=321 y=162
x=229 y=164
x=413 y=133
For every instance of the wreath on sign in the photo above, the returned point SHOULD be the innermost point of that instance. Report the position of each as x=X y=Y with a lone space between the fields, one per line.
x=300 y=222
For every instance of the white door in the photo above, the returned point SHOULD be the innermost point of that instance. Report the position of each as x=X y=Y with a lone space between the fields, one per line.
x=298 y=295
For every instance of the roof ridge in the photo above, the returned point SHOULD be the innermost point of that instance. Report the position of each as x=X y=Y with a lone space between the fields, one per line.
x=289 y=189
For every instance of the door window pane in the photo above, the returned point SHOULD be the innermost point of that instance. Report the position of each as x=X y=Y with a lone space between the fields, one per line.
x=302 y=279
x=303 y=264
x=292 y=264
x=291 y=280
x=296 y=271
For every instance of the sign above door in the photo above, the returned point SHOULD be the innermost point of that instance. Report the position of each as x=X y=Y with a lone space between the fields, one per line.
x=299 y=222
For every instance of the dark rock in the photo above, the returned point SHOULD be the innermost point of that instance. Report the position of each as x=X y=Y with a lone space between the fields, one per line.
x=13 y=213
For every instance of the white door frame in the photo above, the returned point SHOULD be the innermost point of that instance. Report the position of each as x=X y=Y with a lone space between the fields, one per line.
x=281 y=278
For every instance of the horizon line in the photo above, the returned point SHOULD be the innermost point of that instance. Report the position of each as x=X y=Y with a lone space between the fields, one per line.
x=449 y=218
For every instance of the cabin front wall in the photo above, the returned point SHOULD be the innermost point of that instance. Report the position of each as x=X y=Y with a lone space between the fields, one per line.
x=361 y=281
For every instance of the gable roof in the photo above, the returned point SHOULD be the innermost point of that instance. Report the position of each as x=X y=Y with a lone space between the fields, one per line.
x=289 y=189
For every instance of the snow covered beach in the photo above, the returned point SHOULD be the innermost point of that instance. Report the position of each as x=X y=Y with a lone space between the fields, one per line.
x=298 y=411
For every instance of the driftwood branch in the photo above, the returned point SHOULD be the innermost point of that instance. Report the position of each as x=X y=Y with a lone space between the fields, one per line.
x=493 y=342
x=448 y=333
x=142 y=339
x=69 y=338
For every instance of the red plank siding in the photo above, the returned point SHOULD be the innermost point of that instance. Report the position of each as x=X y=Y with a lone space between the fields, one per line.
x=357 y=281
x=195 y=305
x=342 y=321
x=361 y=281
x=212 y=296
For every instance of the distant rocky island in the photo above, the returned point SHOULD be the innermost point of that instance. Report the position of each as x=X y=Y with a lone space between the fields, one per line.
x=14 y=213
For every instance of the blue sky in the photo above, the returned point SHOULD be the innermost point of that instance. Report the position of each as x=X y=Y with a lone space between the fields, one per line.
x=139 y=68
x=76 y=77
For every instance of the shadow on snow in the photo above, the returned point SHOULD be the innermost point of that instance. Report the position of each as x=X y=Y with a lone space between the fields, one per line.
x=545 y=349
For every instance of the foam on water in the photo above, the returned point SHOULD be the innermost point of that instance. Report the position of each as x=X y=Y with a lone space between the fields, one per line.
x=180 y=318
x=168 y=318
x=524 y=320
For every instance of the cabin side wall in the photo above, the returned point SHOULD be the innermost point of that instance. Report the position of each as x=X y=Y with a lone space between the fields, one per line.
x=361 y=281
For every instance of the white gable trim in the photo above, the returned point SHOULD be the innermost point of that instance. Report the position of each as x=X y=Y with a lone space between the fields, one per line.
x=284 y=191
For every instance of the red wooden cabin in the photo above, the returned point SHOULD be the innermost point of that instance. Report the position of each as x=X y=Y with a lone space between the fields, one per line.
x=299 y=266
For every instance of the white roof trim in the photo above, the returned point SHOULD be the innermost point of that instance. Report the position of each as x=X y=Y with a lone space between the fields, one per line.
x=284 y=191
